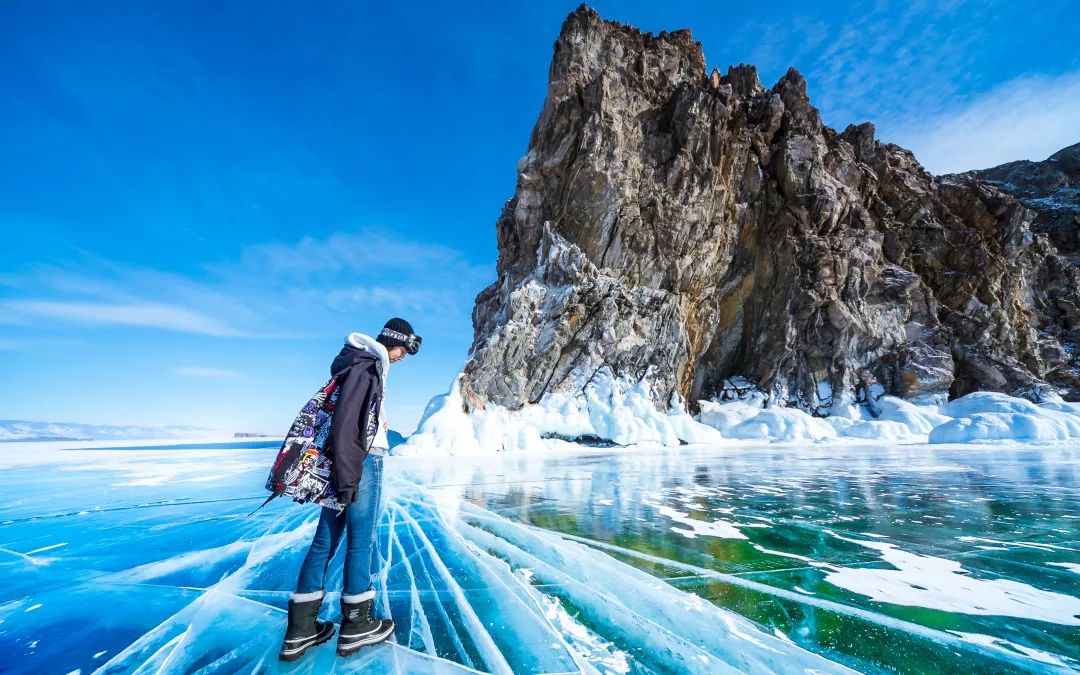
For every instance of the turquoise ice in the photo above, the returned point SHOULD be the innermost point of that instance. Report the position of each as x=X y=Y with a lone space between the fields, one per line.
x=820 y=558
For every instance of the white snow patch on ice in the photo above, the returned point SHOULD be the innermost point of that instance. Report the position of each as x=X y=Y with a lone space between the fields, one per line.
x=939 y=583
x=1030 y=652
x=1023 y=544
x=794 y=556
x=706 y=528
x=1072 y=567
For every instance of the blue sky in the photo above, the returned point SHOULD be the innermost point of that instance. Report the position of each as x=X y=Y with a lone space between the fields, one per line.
x=199 y=200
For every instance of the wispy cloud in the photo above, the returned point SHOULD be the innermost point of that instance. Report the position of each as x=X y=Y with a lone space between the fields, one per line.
x=206 y=373
x=145 y=315
x=873 y=59
x=7 y=344
x=1026 y=118
x=365 y=271
x=270 y=290
x=919 y=72
x=894 y=60
x=375 y=252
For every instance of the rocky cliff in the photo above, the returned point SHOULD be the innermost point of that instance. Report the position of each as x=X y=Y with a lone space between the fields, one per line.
x=706 y=234
x=1050 y=188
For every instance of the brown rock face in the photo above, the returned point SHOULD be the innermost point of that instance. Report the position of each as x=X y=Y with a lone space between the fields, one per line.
x=1050 y=188
x=688 y=228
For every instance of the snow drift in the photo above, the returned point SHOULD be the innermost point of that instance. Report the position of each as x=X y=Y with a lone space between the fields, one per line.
x=611 y=410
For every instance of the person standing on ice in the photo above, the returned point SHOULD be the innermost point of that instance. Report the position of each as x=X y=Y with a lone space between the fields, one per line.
x=356 y=443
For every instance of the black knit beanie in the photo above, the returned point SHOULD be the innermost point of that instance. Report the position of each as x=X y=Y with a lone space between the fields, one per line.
x=395 y=325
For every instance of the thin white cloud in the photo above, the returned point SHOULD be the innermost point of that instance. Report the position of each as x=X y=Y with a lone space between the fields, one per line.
x=145 y=315
x=270 y=291
x=892 y=59
x=207 y=373
x=369 y=269
x=869 y=59
x=370 y=249
x=917 y=71
x=9 y=344
x=1026 y=118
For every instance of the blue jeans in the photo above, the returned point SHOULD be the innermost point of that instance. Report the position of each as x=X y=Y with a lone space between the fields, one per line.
x=358 y=522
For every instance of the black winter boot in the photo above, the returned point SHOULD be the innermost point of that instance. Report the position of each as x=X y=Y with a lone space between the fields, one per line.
x=358 y=626
x=305 y=630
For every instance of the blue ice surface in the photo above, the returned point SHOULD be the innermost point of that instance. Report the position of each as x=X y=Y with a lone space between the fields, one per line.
x=148 y=560
x=205 y=445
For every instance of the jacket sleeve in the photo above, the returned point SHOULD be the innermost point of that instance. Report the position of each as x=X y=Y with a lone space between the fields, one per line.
x=347 y=444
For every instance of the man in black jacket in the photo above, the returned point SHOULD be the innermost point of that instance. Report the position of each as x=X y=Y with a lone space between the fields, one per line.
x=356 y=443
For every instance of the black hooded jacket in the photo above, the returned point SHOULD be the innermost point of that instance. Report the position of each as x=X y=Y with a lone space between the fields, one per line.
x=356 y=417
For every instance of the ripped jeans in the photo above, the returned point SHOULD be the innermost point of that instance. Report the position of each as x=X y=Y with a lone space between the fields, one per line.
x=358 y=523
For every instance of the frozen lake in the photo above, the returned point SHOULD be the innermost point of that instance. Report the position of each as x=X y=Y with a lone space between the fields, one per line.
x=692 y=559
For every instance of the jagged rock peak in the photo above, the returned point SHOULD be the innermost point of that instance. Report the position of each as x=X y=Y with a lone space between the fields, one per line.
x=743 y=79
x=584 y=17
x=687 y=229
x=792 y=83
x=588 y=45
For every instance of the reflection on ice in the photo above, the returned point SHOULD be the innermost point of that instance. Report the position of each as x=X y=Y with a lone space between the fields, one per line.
x=688 y=559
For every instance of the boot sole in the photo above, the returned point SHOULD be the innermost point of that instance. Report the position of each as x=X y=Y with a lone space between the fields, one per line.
x=319 y=640
x=374 y=639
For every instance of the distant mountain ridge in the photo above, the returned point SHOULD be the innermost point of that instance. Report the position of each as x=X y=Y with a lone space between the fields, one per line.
x=26 y=430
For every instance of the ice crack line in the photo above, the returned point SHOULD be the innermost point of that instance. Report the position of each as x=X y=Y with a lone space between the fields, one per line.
x=886 y=621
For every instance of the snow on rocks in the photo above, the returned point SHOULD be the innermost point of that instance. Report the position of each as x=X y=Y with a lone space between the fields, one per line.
x=688 y=429
x=1001 y=427
x=898 y=420
x=725 y=417
x=607 y=409
x=980 y=416
x=784 y=424
x=601 y=408
x=444 y=428
x=989 y=416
